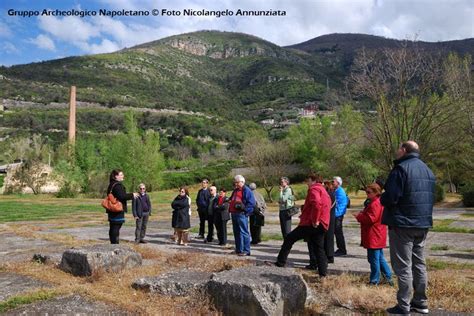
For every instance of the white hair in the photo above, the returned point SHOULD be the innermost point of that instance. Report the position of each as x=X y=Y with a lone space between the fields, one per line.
x=239 y=178
x=141 y=185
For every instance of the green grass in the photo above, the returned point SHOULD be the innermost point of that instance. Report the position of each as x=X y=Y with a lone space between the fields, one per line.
x=444 y=227
x=468 y=214
x=1 y=180
x=439 y=247
x=29 y=209
x=19 y=300
x=442 y=265
x=274 y=236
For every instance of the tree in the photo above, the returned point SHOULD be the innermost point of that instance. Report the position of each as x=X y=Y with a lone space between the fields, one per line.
x=417 y=95
x=32 y=171
x=267 y=159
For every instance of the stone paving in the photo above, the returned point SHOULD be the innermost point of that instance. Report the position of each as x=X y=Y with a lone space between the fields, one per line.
x=459 y=248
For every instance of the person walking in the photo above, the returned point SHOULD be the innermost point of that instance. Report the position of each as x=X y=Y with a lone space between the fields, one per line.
x=241 y=206
x=314 y=222
x=285 y=203
x=257 y=219
x=408 y=212
x=221 y=217
x=341 y=206
x=141 y=209
x=182 y=215
x=202 y=202
x=374 y=235
x=116 y=219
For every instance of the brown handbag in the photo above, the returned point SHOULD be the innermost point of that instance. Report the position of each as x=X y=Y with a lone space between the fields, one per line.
x=111 y=204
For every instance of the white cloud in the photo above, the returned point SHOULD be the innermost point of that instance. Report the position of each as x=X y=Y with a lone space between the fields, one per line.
x=5 y=30
x=44 y=42
x=68 y=29
x=9 y=48
x=105 y=46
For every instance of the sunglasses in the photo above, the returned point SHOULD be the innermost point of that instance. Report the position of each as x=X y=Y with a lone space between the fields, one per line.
x=142 y=189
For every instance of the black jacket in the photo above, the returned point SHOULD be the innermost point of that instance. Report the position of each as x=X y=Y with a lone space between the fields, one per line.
x=138 y=207
x=181 y=218
x=221 y=212
x=409 y=194
x=118 y=191
x=202 y=199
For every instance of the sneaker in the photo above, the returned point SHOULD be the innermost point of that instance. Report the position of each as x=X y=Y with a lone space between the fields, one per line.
x=340 y=253
x=419 y=308
x=199 y=237
x=243 y=254
x=397 y=311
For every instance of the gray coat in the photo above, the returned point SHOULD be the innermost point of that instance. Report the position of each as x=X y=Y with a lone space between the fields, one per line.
x=137 y=207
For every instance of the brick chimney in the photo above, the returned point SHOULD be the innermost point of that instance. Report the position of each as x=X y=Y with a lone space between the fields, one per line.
x=72 y=116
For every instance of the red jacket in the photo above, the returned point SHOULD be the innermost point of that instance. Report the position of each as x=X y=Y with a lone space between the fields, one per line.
x=373 y=233
x=316 y=207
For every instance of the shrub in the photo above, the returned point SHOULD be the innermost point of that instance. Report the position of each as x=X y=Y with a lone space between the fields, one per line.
x=176 y=179
x=467 y=192
x=67 y=191
x=440 y=194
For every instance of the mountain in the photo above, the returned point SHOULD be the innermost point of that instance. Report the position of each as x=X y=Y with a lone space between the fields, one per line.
x=227 y=74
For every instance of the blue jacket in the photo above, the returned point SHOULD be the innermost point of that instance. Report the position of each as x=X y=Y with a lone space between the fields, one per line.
x=341 y=201
x=247 y=199
x=409 y=194
x=202 y=199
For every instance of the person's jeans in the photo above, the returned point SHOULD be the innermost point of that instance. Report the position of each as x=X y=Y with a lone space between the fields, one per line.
x=285 y=223
x=240 y=225
x=377 y=265
x=340 y=241
x=114 y=232
x=315 y=237
x=140 y=229
x=202 y=222
x=408 y=262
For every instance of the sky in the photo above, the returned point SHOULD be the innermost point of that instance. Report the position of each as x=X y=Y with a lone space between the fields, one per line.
x=39 y=37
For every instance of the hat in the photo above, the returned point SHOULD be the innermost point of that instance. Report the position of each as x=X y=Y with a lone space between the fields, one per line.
x=338 y=180
x=252 y=186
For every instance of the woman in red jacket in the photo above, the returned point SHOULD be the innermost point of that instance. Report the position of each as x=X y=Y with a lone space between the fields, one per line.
x=374 y=235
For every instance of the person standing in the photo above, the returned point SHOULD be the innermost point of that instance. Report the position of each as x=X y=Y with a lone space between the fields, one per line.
x=182 y=215
x=285 y=202
x=116 y=219
x=202 y=202
x=408 y=200
x=374 y=235
x=329 y=236
x=221 y=217
x=210 y=215
x=241 y=206
x=257 y=219
x=314 y=222
x=141 y=209
x=341 y=206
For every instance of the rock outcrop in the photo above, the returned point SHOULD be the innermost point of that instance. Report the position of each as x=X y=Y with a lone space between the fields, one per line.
x=174 y=284
x=98 y=258
x=254 y=290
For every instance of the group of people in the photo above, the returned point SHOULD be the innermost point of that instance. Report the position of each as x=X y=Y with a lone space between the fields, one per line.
x=405 y=208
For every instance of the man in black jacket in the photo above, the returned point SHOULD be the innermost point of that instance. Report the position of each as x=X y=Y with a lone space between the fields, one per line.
x=202 y=202
x=408 y=200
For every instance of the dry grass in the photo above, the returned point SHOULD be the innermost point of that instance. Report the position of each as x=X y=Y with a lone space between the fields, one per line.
x=115 y=288
x=448 y=290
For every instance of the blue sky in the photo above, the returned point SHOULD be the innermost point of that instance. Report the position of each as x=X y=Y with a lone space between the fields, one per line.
x=37 y=38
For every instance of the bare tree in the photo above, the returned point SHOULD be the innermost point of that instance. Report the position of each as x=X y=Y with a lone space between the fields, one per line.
x=417 y=94
x=267 y=159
